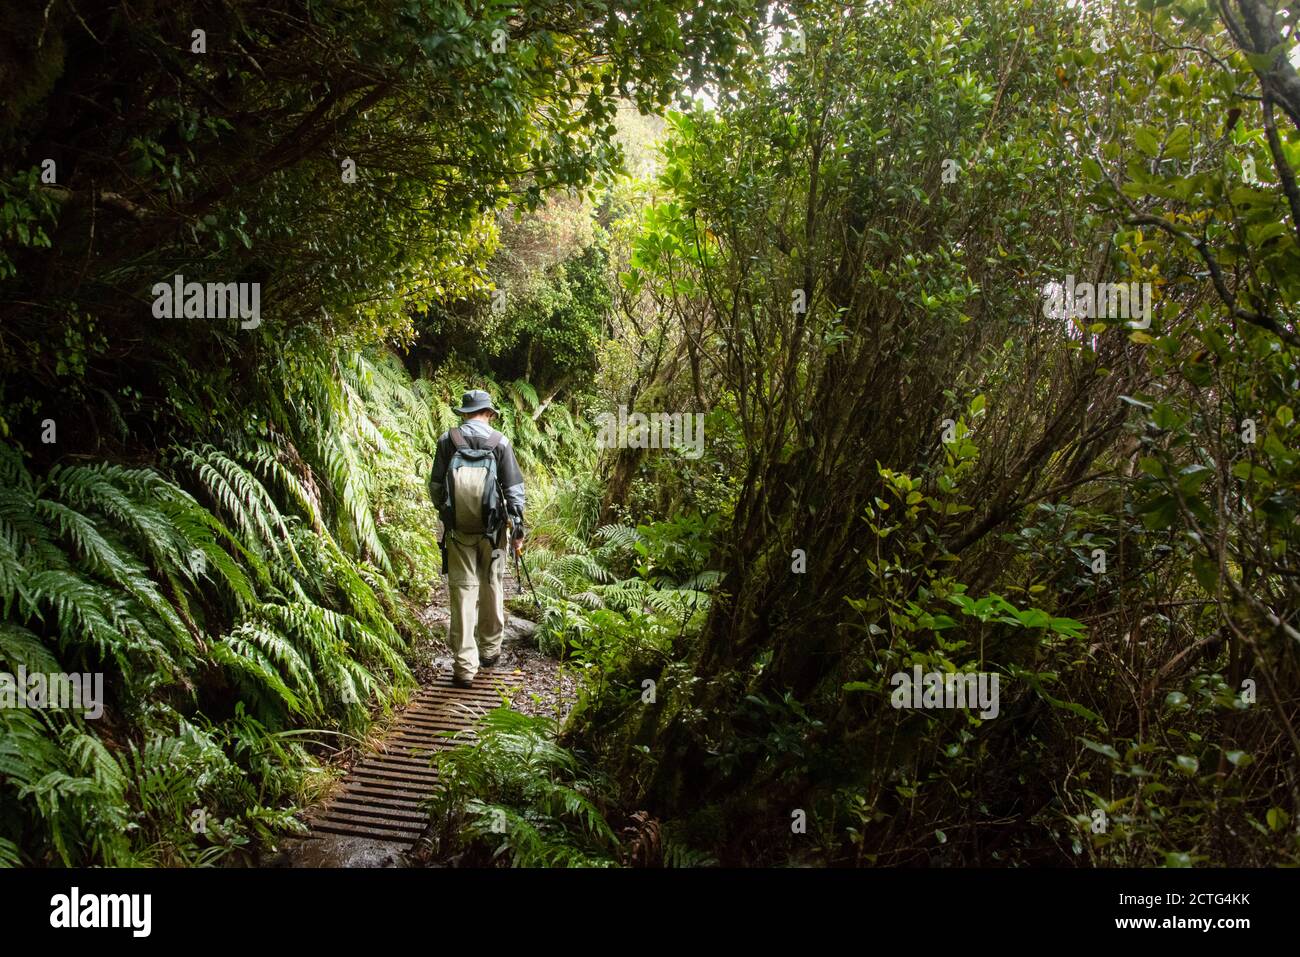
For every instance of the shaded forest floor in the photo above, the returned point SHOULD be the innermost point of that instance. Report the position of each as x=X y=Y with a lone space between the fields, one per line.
x=546 y=690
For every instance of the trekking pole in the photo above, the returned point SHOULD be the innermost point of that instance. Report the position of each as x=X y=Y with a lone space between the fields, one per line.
x=519 y=561
x=519 y=582
x=518 y=553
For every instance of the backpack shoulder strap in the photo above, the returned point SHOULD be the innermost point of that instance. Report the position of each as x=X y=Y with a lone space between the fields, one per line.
x=492 y=441
x=457 y=439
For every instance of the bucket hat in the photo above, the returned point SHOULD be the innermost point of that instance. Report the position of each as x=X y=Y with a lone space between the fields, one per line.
x=475 y=400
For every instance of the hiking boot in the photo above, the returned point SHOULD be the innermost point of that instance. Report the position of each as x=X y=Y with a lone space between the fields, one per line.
x=460 y=682
x=488 y=662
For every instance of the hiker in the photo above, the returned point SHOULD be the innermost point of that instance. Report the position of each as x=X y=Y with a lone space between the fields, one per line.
x=476 y=484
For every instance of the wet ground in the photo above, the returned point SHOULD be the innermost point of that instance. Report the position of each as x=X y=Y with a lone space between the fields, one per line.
x=547 y=690
x=336 y=850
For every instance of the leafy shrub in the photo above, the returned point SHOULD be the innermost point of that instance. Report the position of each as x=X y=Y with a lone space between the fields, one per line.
x=517 y=797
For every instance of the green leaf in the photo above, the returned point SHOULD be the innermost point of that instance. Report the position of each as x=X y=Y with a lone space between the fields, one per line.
x=1034 y=618
x=1069 y=627
x=1198 y=373
x=1152 y=466
x=1160 y=513
x=1192 y=477
x=1105 y=749
x=1146 y=141
x=1032 y=679
x=1179 y=143
x=1207 y=573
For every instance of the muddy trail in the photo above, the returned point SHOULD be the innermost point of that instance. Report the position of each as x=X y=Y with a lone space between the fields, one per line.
x=373 y=815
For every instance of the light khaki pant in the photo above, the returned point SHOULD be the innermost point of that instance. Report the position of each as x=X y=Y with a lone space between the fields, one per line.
x=476 y=583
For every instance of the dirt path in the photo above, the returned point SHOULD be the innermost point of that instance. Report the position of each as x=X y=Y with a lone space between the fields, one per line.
x=542 y=687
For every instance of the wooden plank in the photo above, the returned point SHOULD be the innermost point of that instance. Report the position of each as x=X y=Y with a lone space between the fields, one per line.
x=397 y=777
x=374 y=810
x=389 y=790
x=373 y=833
x=402 y=827
x=383 y=797
x=380 y=798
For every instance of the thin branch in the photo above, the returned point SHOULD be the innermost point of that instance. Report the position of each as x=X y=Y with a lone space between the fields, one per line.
x=1284 y=171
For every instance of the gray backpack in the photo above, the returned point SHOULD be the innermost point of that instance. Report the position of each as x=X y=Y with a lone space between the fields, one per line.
x=471 y=504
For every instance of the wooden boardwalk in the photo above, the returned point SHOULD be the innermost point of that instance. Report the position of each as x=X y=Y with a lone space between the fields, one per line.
x=383 y=797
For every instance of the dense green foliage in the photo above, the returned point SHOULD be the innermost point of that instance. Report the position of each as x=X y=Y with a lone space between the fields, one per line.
x=517 y=765
x=927 y=465
x=840 y=258
x=227 y=516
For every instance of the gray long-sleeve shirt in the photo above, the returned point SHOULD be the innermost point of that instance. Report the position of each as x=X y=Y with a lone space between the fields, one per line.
x=512 y=480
